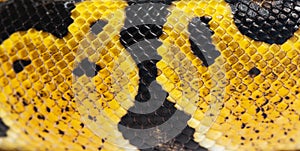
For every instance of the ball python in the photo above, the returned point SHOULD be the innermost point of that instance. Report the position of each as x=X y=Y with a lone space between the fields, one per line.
x=149 y=75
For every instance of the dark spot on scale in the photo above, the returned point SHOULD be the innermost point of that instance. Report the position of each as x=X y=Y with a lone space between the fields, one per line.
x=18 y=94
x=48 y=109
x=61 y=132
x=19 y=65
x=257 y=109
x=97 y=27
x=243 y=138
x=25 y=103
x=3 y=128
x=35 y=109
x=243 y=125
x=86 y=67
x=264 y=115
x=82 y=125
x=254 y=72
x=90 y=117
x=277 y=102
x=41 y=117
x=83 y=147
x=46 y=131
x=43 y=138
x=256 y=131
x=278 y=141
x=266 y=102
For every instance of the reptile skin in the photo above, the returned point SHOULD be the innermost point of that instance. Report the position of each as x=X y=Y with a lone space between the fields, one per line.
x=74 y=74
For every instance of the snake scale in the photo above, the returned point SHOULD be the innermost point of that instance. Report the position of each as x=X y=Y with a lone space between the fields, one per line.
x=149 y=75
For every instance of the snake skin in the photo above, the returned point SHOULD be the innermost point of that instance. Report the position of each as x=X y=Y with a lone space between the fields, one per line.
x=149 y=75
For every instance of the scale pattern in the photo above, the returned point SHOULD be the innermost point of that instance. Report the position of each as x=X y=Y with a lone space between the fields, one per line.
x=79 y=75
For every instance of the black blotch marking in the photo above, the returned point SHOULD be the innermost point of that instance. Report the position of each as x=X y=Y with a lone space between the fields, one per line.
x=3 y=129
x=143 y=121
x=134 y=2
x=138 y=33
x=98 y=26
x=41 y=117
x=86 y=67
x=273 y=22
x=198 y=53
x=254 y=72
x=200 y=40
x=147 y=74
x=138 y=29
x=206 y=20
x=49 y=16
x=19 y=65
x=183 y=141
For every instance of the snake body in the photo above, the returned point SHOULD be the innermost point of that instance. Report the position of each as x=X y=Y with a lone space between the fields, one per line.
x=116 y=75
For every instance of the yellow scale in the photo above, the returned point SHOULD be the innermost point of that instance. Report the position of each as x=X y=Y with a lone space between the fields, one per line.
x=217 y=97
